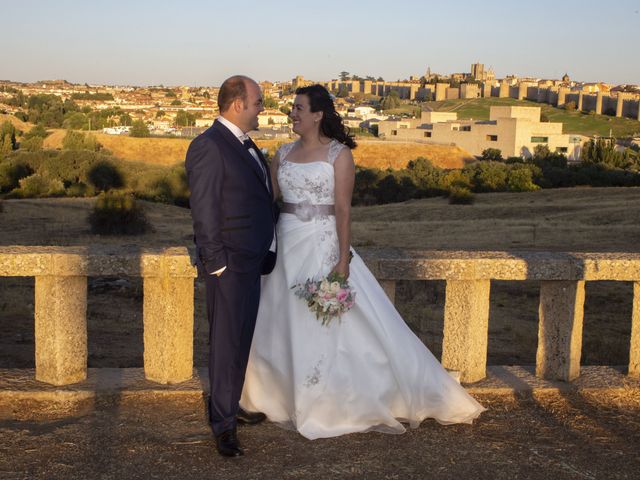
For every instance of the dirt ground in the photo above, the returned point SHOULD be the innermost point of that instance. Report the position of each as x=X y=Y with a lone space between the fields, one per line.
x=560 y=437
x=569 y=436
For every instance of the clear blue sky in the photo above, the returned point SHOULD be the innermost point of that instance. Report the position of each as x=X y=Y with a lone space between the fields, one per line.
x=198 y=42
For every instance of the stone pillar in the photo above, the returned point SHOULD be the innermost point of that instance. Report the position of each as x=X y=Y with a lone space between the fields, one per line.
x=599 y=103
x=562 y=96
x=441 y=91
x=504 y=90
x=61 y=329
x=389 y=287
x=168 y=328
x=561 y=314
x=634 y=352
x=522 y=91
x=466 y=328
x=580 y=95
x=619 y=104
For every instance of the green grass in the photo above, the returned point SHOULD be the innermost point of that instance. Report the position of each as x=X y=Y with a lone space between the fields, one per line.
x=574 y=122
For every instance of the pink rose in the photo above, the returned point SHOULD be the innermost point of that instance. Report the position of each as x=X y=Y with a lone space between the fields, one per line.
x=342 y=295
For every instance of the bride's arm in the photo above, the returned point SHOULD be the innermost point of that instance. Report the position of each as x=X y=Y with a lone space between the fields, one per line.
x=345 y=172
x=273 y=167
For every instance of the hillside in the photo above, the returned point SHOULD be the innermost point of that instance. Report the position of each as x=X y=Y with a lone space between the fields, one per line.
x=19 y=124
x=574 y=122
x=370 y=153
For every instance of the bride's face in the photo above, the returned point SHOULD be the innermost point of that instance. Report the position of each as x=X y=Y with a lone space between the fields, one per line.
x=304 y=120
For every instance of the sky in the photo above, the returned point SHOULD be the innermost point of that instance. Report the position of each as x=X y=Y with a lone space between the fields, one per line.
x=200 y=43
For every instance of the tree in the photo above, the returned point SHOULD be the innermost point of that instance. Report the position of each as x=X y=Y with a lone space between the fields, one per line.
x=7 y=137
x=603 y=151
x=77 y=121
x=343 y=91
x=344 y=75
x=160 y=114
x=139 y=129
x=185 y=119
x=494 y=154
x=176 y=102
x=125 y=119
x=391 y=101
x=104 y=175
x=270 y=102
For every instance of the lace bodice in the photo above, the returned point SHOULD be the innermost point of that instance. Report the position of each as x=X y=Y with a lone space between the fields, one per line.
x=312 y=181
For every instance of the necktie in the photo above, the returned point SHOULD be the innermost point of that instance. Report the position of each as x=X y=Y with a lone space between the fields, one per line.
x=249 y=145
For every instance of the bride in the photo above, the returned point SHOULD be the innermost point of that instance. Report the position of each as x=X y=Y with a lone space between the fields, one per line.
x=367 y=371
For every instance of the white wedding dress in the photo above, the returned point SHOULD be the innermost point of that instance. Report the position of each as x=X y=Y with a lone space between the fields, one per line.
x=365 y=372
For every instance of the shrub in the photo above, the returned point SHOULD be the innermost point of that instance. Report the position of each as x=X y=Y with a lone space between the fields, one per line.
x=456 y=178
x=80 y=189
x=104 y=175
x=11 y=172
x=494 y=154
x=79 y=141
x=520 y=179
x=461 y=196
x=32 y=144
x=37 y=185
x=570 y=106
x=118 y=213
x=489 y=176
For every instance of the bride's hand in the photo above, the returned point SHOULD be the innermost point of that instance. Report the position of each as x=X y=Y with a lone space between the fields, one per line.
x=342 y=268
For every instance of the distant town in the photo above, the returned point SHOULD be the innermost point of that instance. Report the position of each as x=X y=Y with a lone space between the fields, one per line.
x=369 y=106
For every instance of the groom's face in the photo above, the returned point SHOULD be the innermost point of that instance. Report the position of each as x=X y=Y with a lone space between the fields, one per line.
x=251 y=108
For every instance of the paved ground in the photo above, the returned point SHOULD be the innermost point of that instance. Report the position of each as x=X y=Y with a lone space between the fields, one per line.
x=542 y=434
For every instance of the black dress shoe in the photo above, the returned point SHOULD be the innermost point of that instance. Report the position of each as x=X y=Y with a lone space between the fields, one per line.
x=249 y=418
x=228 y=445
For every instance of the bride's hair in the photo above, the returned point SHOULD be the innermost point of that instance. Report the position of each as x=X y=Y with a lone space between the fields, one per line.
x=331 y=125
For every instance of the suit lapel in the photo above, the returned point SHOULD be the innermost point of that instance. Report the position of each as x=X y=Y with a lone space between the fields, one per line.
x=231 y=139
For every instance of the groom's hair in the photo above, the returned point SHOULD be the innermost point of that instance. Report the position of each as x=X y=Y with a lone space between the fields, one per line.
x=232 y=88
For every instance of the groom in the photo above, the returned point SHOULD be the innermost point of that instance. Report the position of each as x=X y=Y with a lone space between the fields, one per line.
x=234 y=217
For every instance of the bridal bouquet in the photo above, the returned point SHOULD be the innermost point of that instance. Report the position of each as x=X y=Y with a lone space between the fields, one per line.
x=328 y=297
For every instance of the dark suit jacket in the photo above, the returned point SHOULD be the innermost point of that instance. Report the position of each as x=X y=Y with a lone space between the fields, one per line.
x=232 y=209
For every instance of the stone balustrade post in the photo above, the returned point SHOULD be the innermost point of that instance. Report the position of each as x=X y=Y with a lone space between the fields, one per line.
x=634 y=352
x=466 y=328
x=168 y=326
x=61 y=329
x=561 y=314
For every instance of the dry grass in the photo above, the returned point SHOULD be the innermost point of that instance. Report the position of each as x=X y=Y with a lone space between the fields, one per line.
x=370 y=153
x=19 y=124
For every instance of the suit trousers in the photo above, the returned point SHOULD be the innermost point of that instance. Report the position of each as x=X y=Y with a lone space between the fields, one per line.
x=232 y=308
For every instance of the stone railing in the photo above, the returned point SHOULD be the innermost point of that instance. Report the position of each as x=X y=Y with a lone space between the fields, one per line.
x=61 y=303
x=61 y=306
